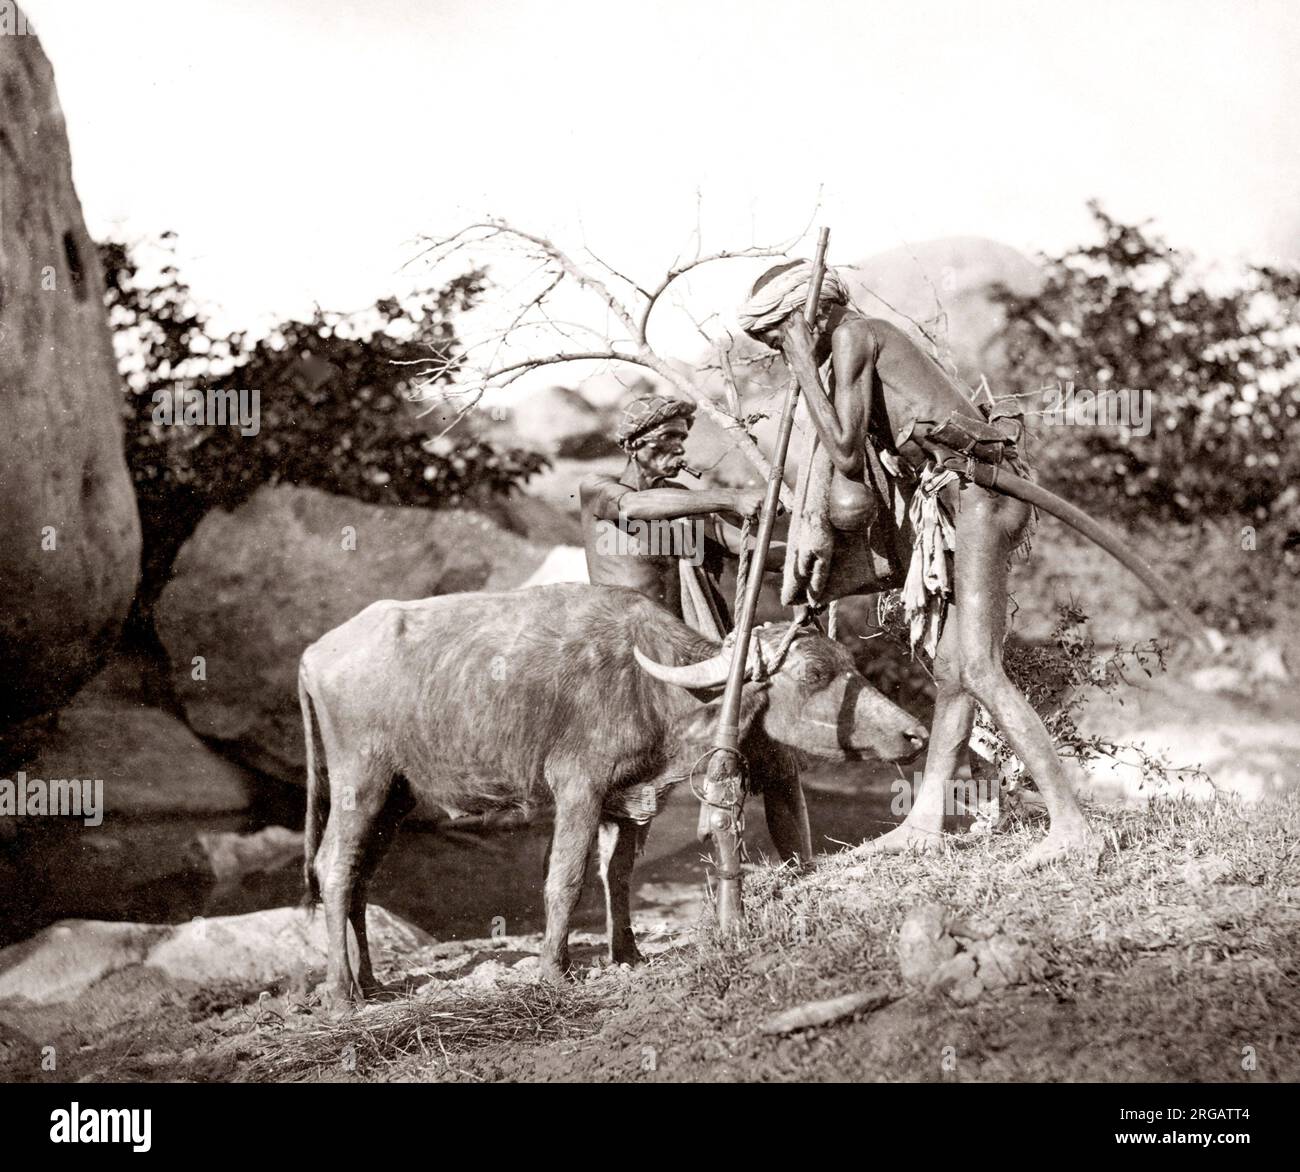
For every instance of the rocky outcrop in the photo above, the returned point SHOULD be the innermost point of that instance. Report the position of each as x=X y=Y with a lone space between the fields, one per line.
x=68 y=522
x=252 y=588
x=529 y=516
x=150 y=763
x=557 y=421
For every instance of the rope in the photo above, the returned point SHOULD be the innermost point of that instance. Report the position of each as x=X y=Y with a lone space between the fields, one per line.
x=699 y=792
x=792 y=632
x=742 y=568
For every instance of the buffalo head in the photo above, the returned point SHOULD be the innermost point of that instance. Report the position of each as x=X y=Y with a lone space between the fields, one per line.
x=815 y=699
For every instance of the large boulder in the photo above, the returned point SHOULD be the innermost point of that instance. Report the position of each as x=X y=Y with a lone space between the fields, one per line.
x=151 y=764
x=68 y=522
x=252 y=588
x=65 y=960
x=532 y=517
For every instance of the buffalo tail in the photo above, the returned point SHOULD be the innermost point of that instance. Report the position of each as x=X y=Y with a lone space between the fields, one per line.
x=315 y=801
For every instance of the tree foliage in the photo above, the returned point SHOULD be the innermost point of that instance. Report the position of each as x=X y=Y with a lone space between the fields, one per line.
x=1221 y=360
x=334 y=403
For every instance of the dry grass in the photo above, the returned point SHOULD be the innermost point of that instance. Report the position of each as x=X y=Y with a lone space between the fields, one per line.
x=1182 y=948
x=387 y=1039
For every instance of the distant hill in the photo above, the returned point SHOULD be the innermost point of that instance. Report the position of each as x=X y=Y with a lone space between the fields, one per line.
x=945 y=285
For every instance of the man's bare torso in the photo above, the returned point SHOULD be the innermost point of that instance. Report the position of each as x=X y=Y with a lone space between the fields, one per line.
x=643 y=556
x=910 y=391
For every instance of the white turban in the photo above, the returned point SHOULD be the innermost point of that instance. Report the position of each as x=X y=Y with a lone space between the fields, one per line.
x=786 y=293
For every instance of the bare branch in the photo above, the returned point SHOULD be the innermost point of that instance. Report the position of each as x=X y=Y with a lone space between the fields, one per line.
x=441 y=248
x=609 y=268
x=733 y=389
x=682 y=269
x=477 y=367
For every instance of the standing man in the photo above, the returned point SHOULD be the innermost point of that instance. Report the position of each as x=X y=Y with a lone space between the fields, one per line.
x=644 y=530
x=887 y=392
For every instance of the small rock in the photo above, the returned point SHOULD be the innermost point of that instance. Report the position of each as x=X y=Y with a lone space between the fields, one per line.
x=972 y=929
x=1269 y=665
x=957 y=977
x=1004 y=962
x=1203 y=872
x=232 y=856
x=982 y=960
x=923 y=943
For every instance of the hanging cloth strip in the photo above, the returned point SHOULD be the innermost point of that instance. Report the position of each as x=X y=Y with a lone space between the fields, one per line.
x=928 y=588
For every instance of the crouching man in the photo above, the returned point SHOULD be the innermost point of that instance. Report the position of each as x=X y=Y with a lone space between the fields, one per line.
x=644 y=530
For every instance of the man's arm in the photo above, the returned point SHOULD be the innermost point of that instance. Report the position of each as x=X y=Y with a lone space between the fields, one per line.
x=609 y=500
x=841 y=426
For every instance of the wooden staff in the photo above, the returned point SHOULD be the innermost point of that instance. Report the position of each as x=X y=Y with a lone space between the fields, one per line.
x=723 y=787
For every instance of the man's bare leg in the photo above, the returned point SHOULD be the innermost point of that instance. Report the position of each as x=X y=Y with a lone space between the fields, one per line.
x=954 y=714
x=986 y=526
x=968 y=667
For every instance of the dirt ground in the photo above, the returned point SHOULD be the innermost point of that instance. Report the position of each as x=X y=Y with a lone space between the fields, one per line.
x=1176 y=959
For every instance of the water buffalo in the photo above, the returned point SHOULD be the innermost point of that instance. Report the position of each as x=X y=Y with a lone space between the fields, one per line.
x=590 y=698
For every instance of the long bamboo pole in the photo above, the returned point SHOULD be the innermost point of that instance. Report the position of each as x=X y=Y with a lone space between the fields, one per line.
x=723 y=793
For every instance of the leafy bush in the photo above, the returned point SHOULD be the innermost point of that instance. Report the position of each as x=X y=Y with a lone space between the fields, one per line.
x=333 y=395
x=1222 y=363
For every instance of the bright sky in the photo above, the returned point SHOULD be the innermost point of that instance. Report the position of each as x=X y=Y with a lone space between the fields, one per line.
x=297 y=146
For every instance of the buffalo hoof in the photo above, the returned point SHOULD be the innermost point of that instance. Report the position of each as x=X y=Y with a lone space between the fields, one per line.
x=628 y=954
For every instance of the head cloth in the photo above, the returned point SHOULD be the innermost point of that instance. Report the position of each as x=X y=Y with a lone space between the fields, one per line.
x=643 y=415
x=785 y=291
